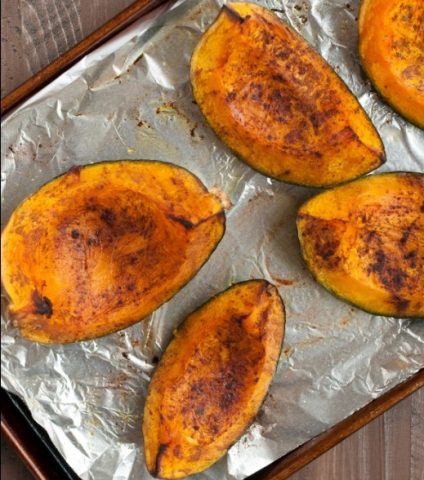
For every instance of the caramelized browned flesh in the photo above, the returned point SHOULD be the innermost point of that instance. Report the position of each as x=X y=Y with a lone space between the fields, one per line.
x=364 y=241
x=102 y=246
x=391 y=47
x=212 y=379
x=277 y=104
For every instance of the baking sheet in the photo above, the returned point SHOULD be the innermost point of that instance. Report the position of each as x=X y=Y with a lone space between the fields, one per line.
x=131 y=99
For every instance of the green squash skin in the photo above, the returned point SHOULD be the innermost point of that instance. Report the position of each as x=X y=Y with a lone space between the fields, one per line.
x=204 y=304
x=377 y=90
x=263 y=172
x=331 y=289
x=108 y=162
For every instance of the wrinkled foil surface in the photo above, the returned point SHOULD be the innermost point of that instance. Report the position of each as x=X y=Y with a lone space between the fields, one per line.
x=132 y=99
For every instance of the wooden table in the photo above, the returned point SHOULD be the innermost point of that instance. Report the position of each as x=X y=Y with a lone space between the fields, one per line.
x=34 y=33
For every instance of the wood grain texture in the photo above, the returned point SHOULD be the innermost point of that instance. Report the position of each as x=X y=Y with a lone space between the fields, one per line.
x=34 y=33
x=391 y=447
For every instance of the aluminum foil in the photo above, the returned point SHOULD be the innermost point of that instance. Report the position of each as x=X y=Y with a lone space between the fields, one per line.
x=132 y=99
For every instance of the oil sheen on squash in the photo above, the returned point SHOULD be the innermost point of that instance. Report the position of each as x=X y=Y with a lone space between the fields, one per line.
x=364 y=241
x=277 y=104
x=391 y=47
x=102 y=246
x=212 y=379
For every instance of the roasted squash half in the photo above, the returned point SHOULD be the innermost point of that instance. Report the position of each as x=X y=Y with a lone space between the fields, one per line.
x=212 y=379
x=277 y=104
x=391 y=48
x=364 y=241
x=102 y=246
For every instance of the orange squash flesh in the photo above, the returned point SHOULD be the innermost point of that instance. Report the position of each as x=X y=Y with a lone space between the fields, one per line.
x=212 y=379
x=391 y=47
x=364 y=241
x=102 y=246
x=277 y=104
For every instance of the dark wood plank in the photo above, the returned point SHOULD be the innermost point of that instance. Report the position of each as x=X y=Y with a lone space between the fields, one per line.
x=36 y=32
x=391 y=447
x=351 y=459
x=371 y=460
x=11 y=465
x=98 y=12
x=52 y=70
x=13 y=57
x=417 y=436
x=397 y=441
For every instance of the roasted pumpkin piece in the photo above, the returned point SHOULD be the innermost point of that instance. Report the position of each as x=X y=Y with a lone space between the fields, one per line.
x=277 y=104
x=102 y=246
x=391 y=48
x=364 y=241
x=212 y=379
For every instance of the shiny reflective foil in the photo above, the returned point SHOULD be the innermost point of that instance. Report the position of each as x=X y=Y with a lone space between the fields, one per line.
x=132 y=99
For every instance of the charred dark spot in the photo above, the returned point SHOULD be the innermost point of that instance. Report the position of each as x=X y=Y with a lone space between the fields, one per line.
x=74 y=170
x=278 y=77
x=283 y=54
x=411 y=257
x=107 y=216
x=132 y=259
x=75 y=234
x=228 y=398
x=233 y=15
x=371 y=234
x=198 y=387
x=326 y=235
x=293 y=136
x=155 y=359
x=183 y=221
x=267 y=38
x=92 y=241
x=177 y=451
x=11 y=149
x=343 y=135
x=379 y=263
x=400 y=303
x=199 y=411
x=422 y=208
x=238 y=319
x=161 y=451
x=230 y=96
x=393 y=278
x=125 y=354
x=263 y=318
x=43 y=305
x=131 y=287
x=257 y=90
x=406 y=233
